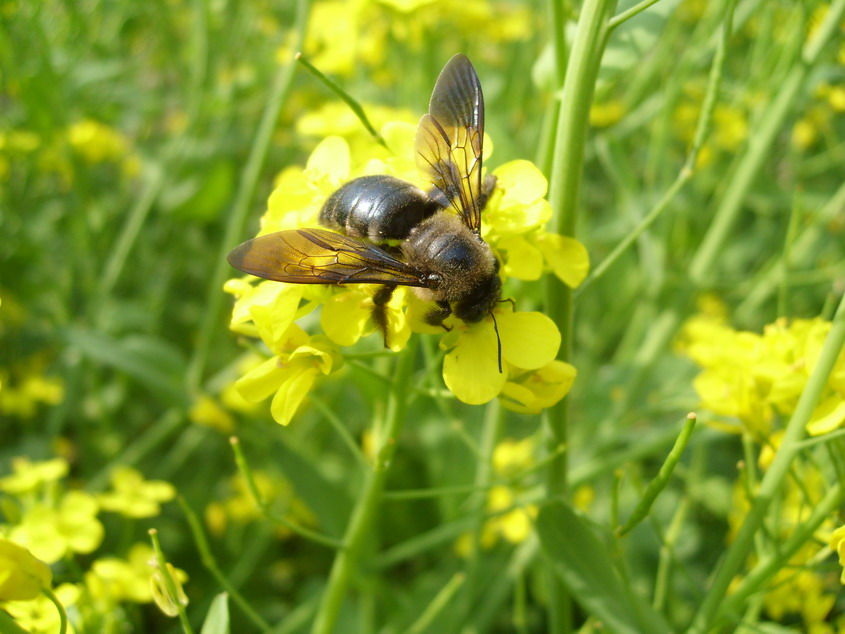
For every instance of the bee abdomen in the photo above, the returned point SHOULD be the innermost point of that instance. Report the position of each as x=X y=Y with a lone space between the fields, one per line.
x=377 y=207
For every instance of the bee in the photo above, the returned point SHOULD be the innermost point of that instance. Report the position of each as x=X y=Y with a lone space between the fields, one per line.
x=440 y=252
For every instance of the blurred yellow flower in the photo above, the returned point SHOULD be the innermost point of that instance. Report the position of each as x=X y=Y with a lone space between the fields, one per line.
x=29 y=477
x=22 y=576
x=800 y=587
x=23 y=389
x=343 y=36
x=134 y=497
x=96 y=142
x=114 y=580
x=51 y=533
x=605 y=114
x=207 y=411
x=756 y=377
x=39 y=615
x=240 y=507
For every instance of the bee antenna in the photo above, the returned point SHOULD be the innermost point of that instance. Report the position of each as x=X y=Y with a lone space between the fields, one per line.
x=498 y=340
x=510 y=301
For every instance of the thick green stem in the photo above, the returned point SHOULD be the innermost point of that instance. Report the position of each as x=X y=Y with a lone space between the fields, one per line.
x=565 y=177
x=775 y=476
x=360 y=524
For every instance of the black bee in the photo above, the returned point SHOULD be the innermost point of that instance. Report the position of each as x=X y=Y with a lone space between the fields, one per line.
x=441 y=254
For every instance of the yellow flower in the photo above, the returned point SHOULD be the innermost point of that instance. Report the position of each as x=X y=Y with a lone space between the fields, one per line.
x=206 y=410
x=22 y=576
x=605 y=114
x=532 y=392
x=471 y=367
x=39 y=615
x=25 y=387
x=754 y=377
x=512 y=456
x=30 y=477
x=96 y=142
x=51 y=533
x=115 y=580
x=291 y=374
x=133 y=496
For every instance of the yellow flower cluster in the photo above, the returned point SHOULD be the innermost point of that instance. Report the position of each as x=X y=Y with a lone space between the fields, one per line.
x=753 y=379
x=345 y=34
x=91 y=141
x=753 y=382
x=46 y=523
x=513 y=224
x=800 y=587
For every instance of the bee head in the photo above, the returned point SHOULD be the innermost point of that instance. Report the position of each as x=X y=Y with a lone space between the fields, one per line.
x=479 y=302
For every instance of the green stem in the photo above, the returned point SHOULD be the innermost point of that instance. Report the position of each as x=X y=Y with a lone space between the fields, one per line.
x=240 y=208
x=759 y=148
x=776 y=475
x=770 y=564
x=702 y=130
x=630 y=13
x=483 y=479
x=210 y=564
x=246 y=471
x=565 y=176
x=436 y=606
x=659 y=483
x=59 y=607
x=363 y=516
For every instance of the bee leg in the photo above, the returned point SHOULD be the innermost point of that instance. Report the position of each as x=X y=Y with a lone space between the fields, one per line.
x=380 y=301
x=436 y=316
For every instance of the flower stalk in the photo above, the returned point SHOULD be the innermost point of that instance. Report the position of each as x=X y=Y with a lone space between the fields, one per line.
x=358 y=530
x=564 y=186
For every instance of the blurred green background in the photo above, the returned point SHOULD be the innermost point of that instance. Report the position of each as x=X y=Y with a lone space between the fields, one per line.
x=131 y=161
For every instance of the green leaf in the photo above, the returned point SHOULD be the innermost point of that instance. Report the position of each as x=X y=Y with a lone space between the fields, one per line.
x=582 y=562
x=217 y=619
x=153 y=362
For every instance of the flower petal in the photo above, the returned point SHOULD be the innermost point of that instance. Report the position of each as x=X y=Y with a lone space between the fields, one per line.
x=261 y=381
x=522 y=183
x=567 y=258
x=540 y=389
x=291 y=393
x=828 y=415
x=346 y=316
x=524 y=261
x=329 y=163
x=529 y=340
x=471 y=368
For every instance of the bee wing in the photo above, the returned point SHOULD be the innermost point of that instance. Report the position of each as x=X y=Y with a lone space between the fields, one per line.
x=316 y=256
x=449 y=139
